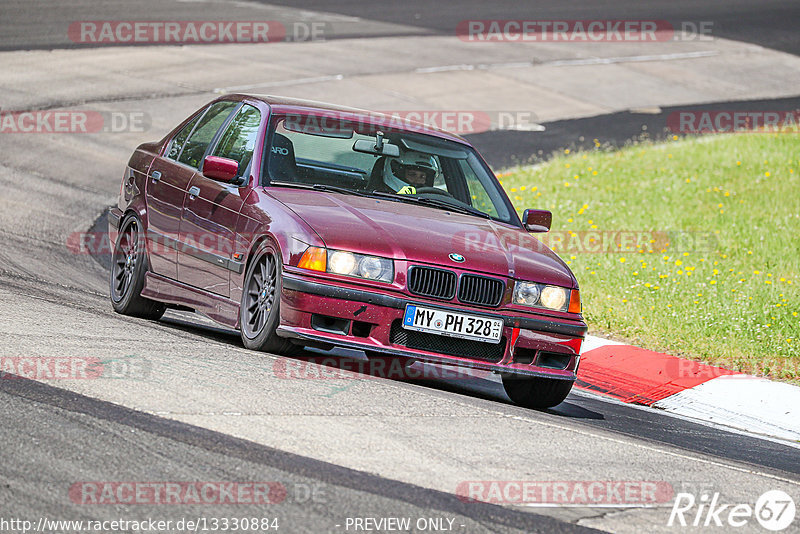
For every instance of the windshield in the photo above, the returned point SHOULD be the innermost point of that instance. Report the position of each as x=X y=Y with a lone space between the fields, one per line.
x=406 y=166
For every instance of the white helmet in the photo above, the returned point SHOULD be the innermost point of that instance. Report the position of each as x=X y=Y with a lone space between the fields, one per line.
x=396 y=167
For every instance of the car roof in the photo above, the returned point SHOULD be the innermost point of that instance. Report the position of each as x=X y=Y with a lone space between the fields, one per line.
x=285 y=105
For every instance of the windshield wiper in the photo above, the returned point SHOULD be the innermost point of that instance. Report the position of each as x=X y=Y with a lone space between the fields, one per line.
x=337 y=189
x=433 y=202
x=322 y=187
x=453 y=207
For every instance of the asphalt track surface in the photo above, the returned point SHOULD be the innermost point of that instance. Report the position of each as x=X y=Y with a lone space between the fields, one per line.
x=318 y=495
x=772 y=23
x=509 y=148
x=173 y=426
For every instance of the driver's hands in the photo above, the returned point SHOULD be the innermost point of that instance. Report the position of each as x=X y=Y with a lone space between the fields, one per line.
x=408 y=190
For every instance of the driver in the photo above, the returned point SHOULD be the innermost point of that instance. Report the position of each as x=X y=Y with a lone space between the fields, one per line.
x=405 y=174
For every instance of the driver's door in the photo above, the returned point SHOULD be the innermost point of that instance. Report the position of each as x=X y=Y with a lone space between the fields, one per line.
x=165 y=189
x=211 y=209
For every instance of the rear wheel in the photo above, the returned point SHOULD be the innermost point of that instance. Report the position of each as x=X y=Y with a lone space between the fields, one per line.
x=128 y=267
x=259 y=311
x=536 y=392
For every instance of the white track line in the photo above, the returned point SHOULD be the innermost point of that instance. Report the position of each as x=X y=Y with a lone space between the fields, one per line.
x=629 y=59
x=281 y=83
x=568 y=62
x=482 y=66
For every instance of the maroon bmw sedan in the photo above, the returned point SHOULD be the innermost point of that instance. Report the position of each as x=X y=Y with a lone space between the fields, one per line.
x=301 y=223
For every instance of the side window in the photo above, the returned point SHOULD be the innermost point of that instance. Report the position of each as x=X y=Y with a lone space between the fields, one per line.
x=478 y=195
x=176 y=145
x=239 y=138
x=196 y=145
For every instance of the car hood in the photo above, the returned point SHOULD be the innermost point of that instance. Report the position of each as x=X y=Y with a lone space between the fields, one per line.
x=403 y=231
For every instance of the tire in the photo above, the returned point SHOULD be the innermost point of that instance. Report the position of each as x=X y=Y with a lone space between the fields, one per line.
x=535 y=392
x=128 y=267
x=259 y=311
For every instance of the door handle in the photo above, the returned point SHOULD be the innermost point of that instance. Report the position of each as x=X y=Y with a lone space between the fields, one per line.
x=156 y=176
x=193 y=192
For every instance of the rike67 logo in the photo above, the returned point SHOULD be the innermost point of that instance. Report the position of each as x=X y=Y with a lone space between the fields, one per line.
x=774 y=510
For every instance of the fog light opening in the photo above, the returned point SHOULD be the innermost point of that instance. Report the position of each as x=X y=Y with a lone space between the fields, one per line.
x=361 y=329
x=331 y=325
x=552 y=360
x=524 y=356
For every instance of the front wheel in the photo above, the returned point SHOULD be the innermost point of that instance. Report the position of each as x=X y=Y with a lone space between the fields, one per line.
x=259 y=311
x=128 y=267
x=536 y=392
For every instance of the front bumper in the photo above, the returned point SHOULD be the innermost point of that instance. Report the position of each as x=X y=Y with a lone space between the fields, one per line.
x=348 y=316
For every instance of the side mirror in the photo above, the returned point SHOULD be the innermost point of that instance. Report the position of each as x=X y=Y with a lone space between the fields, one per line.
x=537 y=220
x=222 y=169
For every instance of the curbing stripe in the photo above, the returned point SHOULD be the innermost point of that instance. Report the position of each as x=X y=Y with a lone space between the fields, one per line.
x=691 y=389
x=639 y=376
x=751 y=403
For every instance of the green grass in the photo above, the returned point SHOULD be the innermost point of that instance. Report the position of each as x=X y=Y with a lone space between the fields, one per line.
x=731 y=299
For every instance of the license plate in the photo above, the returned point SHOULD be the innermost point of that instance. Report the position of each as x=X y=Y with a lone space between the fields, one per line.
x=448 y=323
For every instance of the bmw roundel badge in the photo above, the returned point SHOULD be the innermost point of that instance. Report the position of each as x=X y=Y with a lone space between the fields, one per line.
x=458 y=258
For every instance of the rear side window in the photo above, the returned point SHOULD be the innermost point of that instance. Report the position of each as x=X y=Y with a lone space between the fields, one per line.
x=195 y=147
x=179 y=140
x=239 y=139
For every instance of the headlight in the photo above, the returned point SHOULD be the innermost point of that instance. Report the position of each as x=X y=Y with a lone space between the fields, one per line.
x=526 y=294
x=342 y=262
x=553 y=297
x=369 y=267
x=349 y=264
x=542 y=296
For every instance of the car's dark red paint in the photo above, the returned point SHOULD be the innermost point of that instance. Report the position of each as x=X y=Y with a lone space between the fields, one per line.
x=222 y=169
x=201 y=234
